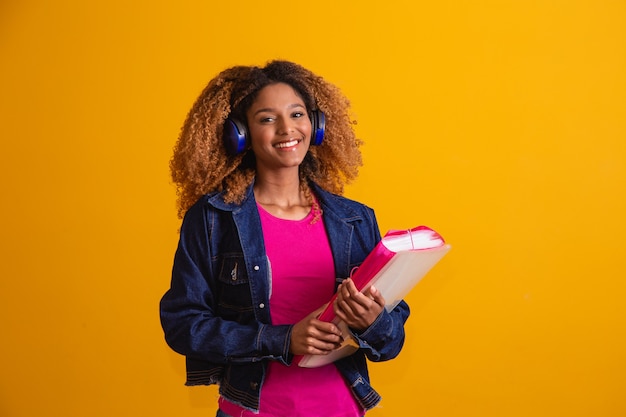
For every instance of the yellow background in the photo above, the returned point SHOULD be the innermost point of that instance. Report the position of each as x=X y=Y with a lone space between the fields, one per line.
x=501 y=124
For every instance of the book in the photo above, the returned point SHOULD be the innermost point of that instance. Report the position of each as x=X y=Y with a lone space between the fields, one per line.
x=397 y=263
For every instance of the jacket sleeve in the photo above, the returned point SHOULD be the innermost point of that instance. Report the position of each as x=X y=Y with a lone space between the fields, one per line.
x=384 y=339
x=191 y=326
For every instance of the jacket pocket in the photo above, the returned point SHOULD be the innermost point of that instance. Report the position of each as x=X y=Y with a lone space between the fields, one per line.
x=234 y=297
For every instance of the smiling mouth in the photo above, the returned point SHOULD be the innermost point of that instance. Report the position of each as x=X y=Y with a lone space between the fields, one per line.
x=288 y=144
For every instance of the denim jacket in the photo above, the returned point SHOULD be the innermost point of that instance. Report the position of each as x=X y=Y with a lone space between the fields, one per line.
x=216 y=311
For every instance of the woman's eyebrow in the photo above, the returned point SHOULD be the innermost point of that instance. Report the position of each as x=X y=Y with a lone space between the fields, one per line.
x=270 y=109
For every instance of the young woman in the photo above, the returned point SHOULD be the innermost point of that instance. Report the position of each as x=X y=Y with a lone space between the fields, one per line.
x=266 y=241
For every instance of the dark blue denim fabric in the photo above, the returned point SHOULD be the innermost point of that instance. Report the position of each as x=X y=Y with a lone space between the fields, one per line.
x=216 y=311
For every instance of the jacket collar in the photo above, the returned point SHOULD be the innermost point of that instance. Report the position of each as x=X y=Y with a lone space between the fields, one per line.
x=330 y=202
x=216 y=199
x=336 y=204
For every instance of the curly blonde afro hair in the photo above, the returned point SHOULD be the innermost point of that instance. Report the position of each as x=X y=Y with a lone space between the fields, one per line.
x=201 y=163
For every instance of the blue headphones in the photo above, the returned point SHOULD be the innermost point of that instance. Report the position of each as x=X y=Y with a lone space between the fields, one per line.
x=236 y=133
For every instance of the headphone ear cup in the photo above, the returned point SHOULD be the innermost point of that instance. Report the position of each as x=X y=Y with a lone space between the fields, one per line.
x=235 y=136
x=318 y=126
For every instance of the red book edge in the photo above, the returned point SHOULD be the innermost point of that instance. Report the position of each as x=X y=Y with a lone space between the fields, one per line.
x=374 y=262
x=371 y=265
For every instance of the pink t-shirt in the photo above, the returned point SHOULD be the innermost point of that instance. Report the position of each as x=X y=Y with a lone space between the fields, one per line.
x=302 y=280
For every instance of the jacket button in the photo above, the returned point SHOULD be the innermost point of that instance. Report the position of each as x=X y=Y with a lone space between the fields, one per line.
x=254 y=385
x=261 y=305
x=256 y=267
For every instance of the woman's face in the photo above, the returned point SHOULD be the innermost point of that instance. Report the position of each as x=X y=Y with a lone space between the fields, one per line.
x=279 y=128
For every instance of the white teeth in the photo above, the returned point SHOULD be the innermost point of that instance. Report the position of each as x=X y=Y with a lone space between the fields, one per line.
x=287 y=144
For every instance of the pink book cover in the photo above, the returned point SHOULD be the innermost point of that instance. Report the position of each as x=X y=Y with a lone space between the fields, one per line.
x=394 y=267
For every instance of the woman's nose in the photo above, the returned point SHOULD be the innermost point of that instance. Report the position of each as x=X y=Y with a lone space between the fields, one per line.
x=285 y=126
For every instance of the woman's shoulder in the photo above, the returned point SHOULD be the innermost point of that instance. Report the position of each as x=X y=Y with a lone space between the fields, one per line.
x=204 y=206
x=215 y=201
x=343 y=204
x=203 y=202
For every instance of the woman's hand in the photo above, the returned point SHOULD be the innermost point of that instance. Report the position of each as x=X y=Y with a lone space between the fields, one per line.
x=311 y=336
x=358 y=310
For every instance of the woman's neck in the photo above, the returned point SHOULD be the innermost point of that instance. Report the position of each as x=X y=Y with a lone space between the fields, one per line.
x=282 y=197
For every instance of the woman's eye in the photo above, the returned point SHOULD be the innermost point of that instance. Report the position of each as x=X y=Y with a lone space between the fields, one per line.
x=298 y=114
x=267 y=120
